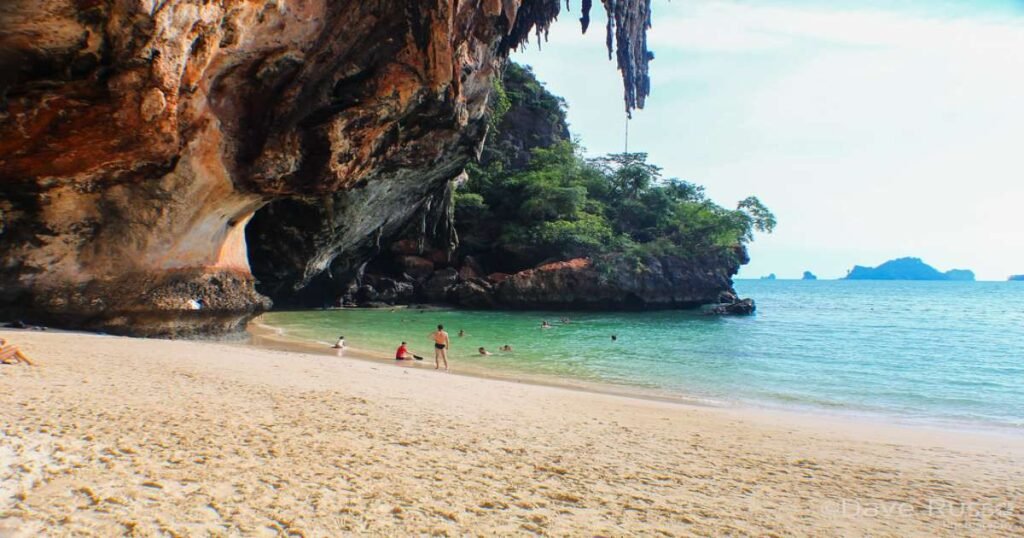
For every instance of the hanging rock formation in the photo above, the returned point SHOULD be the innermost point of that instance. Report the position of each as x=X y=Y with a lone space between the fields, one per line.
x=138 y=138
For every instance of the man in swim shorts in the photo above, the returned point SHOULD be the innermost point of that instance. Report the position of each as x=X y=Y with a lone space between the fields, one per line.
x=441 y=344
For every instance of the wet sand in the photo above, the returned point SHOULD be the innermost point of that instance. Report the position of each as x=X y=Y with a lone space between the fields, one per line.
x=112 y=436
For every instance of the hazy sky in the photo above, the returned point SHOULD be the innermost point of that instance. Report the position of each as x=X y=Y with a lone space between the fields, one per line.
x=873 y=130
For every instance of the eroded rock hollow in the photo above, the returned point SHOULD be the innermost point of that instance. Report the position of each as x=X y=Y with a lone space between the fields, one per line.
x=138 y=138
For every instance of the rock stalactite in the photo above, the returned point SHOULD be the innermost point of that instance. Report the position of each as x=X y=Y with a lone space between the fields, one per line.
x=629 y=20
x=139 y=138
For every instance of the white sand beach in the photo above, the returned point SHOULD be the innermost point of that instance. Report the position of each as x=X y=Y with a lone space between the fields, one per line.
x=118 y=436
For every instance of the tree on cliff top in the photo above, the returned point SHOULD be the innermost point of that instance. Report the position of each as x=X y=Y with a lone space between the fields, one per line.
x=563 y=205
x=534 y=193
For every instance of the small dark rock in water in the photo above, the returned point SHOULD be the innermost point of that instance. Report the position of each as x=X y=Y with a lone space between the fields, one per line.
x=742 y=307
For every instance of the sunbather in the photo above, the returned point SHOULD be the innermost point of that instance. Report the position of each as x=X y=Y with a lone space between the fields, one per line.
x=10 y=354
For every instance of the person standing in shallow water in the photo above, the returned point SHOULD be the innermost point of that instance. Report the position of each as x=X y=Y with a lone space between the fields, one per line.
x=441 y=343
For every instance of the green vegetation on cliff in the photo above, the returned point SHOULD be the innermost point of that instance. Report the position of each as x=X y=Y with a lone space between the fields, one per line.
x=559 y=204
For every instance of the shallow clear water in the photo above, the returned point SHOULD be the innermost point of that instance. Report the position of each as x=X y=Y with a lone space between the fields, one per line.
x=932 y=351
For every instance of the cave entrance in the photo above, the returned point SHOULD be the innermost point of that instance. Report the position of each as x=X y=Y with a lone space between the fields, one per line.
x=282 y=240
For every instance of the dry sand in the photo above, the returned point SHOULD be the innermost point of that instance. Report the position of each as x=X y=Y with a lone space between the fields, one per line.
x=116 y=436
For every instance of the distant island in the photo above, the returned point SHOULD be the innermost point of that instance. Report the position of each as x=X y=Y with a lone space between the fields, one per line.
x=1016 y=278
x=907 y=269
x=809 y=276
x=770 y=276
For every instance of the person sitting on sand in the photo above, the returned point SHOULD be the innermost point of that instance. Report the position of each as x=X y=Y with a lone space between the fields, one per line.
x=10 y=354
x=441 y=344
x=340 y=344
x=483 y=351
x=506 y=348
x=544 y=324
x=402 y=353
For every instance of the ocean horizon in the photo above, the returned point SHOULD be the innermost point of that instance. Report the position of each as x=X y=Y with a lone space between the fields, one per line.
x=941 y=353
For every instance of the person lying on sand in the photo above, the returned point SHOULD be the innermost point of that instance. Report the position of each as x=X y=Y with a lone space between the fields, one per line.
x=402 y=354
x=10 y=354
x=483 y=351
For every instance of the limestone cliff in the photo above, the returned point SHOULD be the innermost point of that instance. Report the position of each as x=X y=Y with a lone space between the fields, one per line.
x=484 y=268
x=138 y=138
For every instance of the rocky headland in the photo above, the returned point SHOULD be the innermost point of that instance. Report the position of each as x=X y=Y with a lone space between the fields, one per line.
x=139 y=139
x=175 y=168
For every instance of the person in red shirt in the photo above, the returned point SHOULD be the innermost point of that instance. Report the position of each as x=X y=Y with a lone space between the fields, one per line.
x=402 y=353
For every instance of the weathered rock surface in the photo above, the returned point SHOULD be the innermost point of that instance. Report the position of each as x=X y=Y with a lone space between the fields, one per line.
x=138 y=139
x=582 y=283
x=535 y=119
x=473 y=293
x=437 y=288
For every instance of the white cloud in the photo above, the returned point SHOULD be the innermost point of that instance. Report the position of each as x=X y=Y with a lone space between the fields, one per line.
x=871 y=133
x=735 y=26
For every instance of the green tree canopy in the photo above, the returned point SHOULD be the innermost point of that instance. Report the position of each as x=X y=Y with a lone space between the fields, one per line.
x=563 y=205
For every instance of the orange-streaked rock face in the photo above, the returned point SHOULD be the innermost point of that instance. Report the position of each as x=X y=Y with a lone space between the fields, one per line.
x=138 y=138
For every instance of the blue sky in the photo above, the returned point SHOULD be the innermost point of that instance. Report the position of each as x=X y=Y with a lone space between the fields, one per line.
x=873 y=130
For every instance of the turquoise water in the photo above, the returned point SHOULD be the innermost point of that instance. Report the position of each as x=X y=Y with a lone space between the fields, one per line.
x=918 y=351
